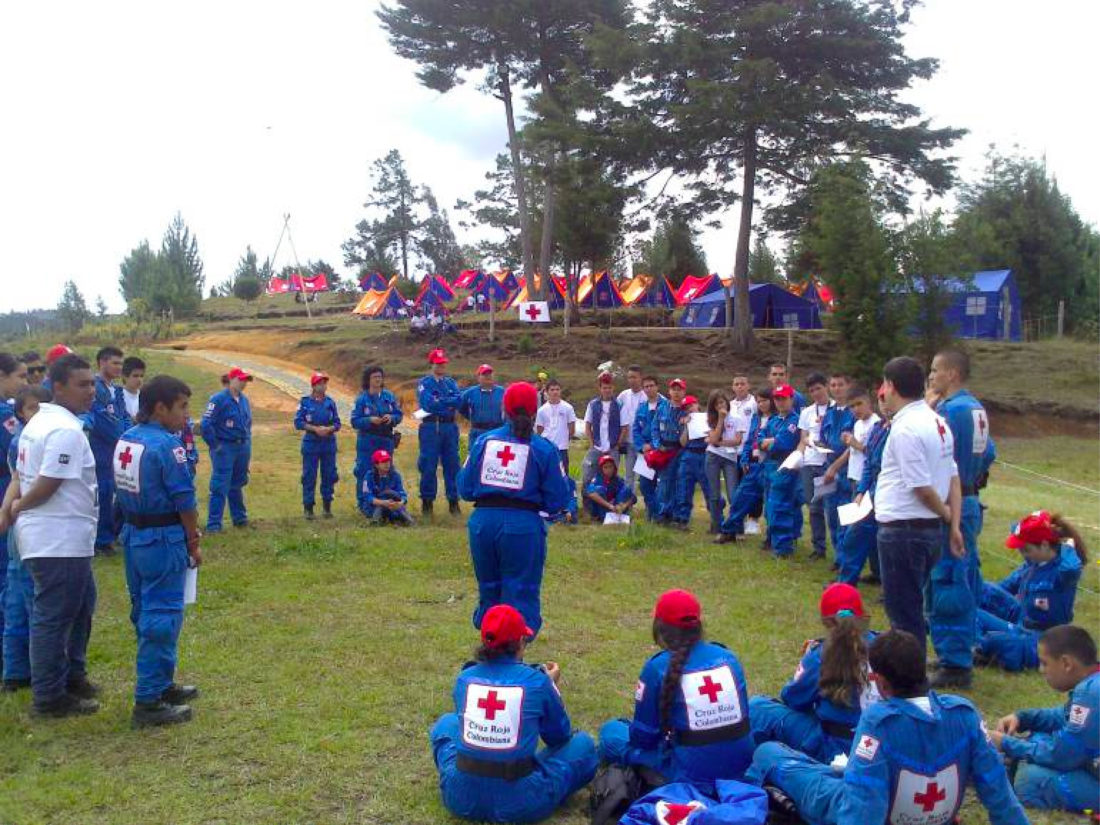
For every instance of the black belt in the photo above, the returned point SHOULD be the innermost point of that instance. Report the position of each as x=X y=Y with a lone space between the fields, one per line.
x=489 y=426
x=152 y=519
x=508 y=771
x=507 y=503
x=838 y=729
x=780 y=457
x=379 y=431
x=726 y=733
x=970 y=489
x=670 y=445
x=439 y=419
x=914 y=523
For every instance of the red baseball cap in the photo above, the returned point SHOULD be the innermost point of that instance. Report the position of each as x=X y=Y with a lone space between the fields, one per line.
x=485 y=369
x=783 y=391
x=317 y=378
x=438 y=356
x=237 y=372
x=678 y=608
x=678 y=382
x=521 y=396
x=378 y=456
x=606 y=378
x=689 y=400
x=1035 y=529
x=503 y=624
x=841 y=599
x=57 y=351
x=606 y=458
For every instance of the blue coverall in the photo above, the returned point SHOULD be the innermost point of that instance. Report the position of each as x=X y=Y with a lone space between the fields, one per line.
x=370 y=437
x=439 y=397
x=484 y=409
x=510 y=481
x=837 y=421
x=502 y=709
x=153 y=481
x=389 y=486
x=783 y=505
x=709 y=735
x=227 y=431
x=906 y=766
x=615 y=491
x=187 y=436
x=642 y=434
x=1058 y=762
x=317 y=450
x=803 y=717
x=665 y=434
x=733 y=803
x=749 y=495
x=569 y=513
x=955 y=585
x=14 y=609
x=1033 y=598
x=861 y=538
x=105 y=422
x=690 y=470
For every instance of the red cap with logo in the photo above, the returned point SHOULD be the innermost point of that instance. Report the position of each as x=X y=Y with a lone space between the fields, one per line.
x=438 y=356
x=841 y=600
x=783 y=391
x=378 y=456
x=503 y=624
x=678 y=608
x=689 y=400
x=57 y=351
x=606 y=458
x=521 y=396
x=238 y=373
x=485 y=369
x=606 y=378
x=1035 y=529
x=317 y=378
x=678 y=382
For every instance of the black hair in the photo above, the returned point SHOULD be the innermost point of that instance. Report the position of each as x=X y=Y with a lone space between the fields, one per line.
x=108 y=352
x=907 y=376
x=132 y=363
x=777 y=364
x=816 y=378
x=30 y=355
x=370 y=370
x=898 y=657
x=678 y=641
x=840 y=374
x=162 y=389
x=957 y=360
x=8 y=363
x=510 y=650
x=553 y=382
x=857 y=391
x=767 y=395
x=633 y=368
x=43 y=395
x=1070 y=640
x=523 y=424
x=652 y=378
x=63 y=368
x=712 y=406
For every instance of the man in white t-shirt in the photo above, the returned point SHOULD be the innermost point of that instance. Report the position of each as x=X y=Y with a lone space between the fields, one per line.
x=603 y=426
x=629 y=400
x=814 y=460
x=855 y=457
x=556 y=421
x=917 y=496
x=133 y=376
x=55 y=514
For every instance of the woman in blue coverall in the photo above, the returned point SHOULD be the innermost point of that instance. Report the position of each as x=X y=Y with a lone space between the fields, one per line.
x=227 y=431
x=376 y=414
x=691 y=706
x=783 y=500
x=748 y=497
x=486 y=751
x=512 y=474
x=320 y=419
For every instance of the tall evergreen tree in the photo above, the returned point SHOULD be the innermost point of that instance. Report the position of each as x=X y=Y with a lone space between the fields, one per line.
x=71 y=309
x=763 y=266
x=672 y=252
x=437 y=243
x=394 y=195
x=180 y=253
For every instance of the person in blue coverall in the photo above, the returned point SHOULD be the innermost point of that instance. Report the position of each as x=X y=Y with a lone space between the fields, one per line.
x=819 y=708
x=227 y=431
x=486 y=751
x=156 y=494
x=642 y=436
x=1037 y=595
x=691 y=707
x=568 y=514
x=1056 y=767
x=913 y=756
x=838 y=421
x=667 y=426
x=860 y=541
x=13 y=378
x=187 y=436
x=952 y=612
x=748 y=498
x=438 y=396
x=320 y=419
x=607 y=492
x=383 y=498
x=482 y=404
x=105 y=422
x=512 y=474
x=690 y=468
x=732 y=803
x=783 y=503
x=375 y=415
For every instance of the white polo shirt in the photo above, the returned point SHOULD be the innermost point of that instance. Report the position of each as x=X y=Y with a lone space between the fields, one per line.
x=742 y=412
x=555 y=420
x=920 y=452
x=53 y=445
x=858 y=458
x=809 y=421
x=628 y=406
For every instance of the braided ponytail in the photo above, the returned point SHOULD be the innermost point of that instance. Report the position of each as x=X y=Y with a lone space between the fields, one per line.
x=678 y=641
x=522 y=425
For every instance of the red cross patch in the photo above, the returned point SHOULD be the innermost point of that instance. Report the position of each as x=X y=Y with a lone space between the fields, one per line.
x=492 y=716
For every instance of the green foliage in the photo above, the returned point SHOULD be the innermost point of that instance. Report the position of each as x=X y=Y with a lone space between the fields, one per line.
x=71 y=309
x=763 y=265
x=397 y=199
x=247 y=283
x=525 y=344
x=437 y=243
x=100 y=307
x=407 y=288
x=673 y=252
x=168 y=280
x=496 y=208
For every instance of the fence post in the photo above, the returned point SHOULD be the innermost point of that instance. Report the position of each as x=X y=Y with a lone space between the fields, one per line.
x=1061 y=317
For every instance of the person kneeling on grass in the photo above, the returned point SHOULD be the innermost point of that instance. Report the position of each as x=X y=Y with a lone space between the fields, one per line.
x=913 y=755
x=487 y=753
x=383 y=496
x=607 y=493
x=1057 y=766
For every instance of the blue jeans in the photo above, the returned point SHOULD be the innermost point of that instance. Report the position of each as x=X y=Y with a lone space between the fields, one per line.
x=718 y=469
x=817 y=508
x=857 y=545
x=689 y=472
x=228 y=477
x=747 y=499
x=61 y=624
x=907 y=555
x=18 y=604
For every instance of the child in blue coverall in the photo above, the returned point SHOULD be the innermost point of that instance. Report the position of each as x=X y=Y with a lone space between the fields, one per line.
x=382 y=497
x=1056 y=767
x=783 y=500
x=607 y=493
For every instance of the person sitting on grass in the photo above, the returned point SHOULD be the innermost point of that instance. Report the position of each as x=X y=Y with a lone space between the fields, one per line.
x=913 y=755
x=1056 y=766
x=607 y=493
x=383 y=496
x=486 y=750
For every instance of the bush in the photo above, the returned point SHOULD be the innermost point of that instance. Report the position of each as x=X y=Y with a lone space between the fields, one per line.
x=526 y=344
x=247 y=287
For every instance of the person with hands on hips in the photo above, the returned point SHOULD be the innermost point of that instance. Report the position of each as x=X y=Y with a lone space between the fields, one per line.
x=320 y=419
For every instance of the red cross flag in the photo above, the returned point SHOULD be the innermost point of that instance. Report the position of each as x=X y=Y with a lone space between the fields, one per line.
x=534 y=312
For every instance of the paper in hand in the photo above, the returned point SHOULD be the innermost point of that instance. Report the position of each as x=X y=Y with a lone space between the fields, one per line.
x=191 y=585
x=420 y=415
x=698 y=426
x=616 y=518
x=792 y=462
x=642 y=469
x=851 y=513
x=823 y=488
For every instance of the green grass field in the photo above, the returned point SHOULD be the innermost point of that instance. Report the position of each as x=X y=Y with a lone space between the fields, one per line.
x=326 y=650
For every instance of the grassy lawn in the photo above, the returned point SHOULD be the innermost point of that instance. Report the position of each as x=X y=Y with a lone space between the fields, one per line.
x=326 y=650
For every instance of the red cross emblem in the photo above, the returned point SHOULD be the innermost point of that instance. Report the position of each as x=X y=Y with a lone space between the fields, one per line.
x=506 y=456
x=710 y=688
x=491 y=704
x=941 y=430
x=23 y=456
x=533 y=311
x=981 y=423
x=932 y=795
x=125 y=457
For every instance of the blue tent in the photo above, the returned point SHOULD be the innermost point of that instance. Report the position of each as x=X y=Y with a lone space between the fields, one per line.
x=986 y=306
x=373 y=280
x=489 y=288
x=772 y=308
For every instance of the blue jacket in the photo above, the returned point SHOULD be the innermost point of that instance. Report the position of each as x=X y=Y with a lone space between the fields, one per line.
x=711 y=700
x=974 y=448
x=484 y=409
x=375 y=485
x=614 y=423
x=1046 y=592
x=836 y=421
x=784 y=429
x=735 y=803
x=752 y=440
x=616 y=492
x=369 y=406
x=802 y=692
x=504 y=707
x=642 y=431
x=667 y=424
x=152 y=477
x=872 y=464
x=321 y=413
x=106 y=421
x=438 y=396
x=10 y=455
x=9 y=433
x=227 y=419
x=906 y=765
x=499 y=464
x=570 y=508
x=1074 y=729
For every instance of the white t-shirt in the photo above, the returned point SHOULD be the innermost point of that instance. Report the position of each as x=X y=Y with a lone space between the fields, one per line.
x=555 y=420
x=53 y=444
x=920 y=452
x=131 y=399
x=857 y=459
x=809 y=421
x=743 y=411
x=729 y=433
x=603 y=437
x=629 y=401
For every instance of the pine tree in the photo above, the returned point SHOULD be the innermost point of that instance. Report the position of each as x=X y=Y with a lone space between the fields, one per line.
x=394 y=195
x=71 y=309
x=180 y=253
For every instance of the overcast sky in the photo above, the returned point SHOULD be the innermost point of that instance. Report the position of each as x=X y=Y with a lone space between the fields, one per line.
x=118 y=114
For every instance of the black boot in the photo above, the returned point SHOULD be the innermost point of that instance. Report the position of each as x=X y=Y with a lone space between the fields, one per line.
x=426 y=505
x=153 y=714
x=82 y=688
x=454 y=508
x=179 y=694
x=309 y=512
x=725 y=538
x=67 y=705
x=951 y=677
x=326 y=509
x=12 y=685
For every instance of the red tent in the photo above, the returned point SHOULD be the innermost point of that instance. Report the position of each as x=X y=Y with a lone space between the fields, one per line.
x=695 y=286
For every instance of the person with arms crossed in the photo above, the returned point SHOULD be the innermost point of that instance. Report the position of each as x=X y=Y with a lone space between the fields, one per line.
x=374 y=417
x=604 y=427
x=438 y=396
x=482 y=404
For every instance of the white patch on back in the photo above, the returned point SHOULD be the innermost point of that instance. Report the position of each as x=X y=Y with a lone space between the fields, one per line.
x=504 y=464
x=492 y=716
x=127 y=466
x=711 y=699
x=926 y=800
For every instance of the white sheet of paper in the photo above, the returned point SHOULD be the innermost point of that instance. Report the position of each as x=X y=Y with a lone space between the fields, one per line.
x=851 y=513
x=643 y=469
x=420 y=415
x=698 y=426
x=191 y=586
x=823 y=488
x=616 y=518
x=792 y=462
